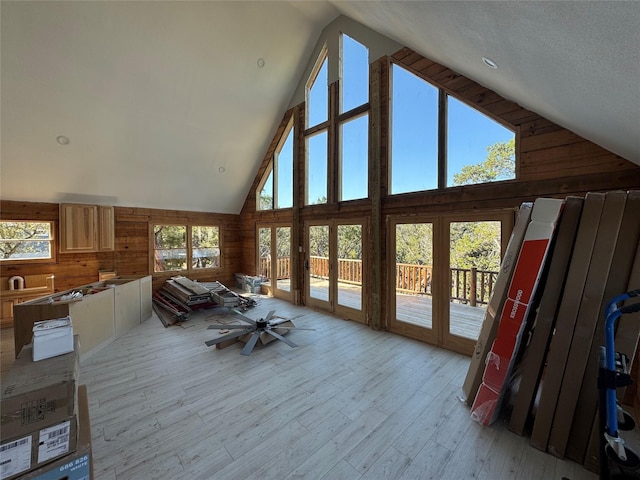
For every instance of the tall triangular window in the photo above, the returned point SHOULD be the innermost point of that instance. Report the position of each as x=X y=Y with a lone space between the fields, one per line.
x=276 y=189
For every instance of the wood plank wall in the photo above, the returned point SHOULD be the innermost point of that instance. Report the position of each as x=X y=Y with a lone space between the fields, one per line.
x=131 y=254
x=552 y=162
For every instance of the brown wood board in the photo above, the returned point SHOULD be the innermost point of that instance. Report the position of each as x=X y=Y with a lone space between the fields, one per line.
x=565 y=321
x=533 y=360
x=490 y=323
x=587 y=320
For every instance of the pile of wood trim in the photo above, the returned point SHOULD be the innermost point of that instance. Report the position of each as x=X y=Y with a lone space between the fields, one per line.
x=179 y=296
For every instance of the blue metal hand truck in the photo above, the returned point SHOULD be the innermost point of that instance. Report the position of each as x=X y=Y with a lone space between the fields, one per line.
x=617 y=460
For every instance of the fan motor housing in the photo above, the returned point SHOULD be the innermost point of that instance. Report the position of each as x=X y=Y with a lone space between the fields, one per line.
x=262 y=323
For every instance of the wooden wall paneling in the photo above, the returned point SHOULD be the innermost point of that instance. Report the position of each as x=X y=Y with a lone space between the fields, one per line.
x=333 y=175
x=14 y=210
x=374 y=301
x=538 y=126
x=297 y=255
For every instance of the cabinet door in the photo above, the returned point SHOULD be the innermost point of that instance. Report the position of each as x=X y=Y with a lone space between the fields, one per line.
x=106 y=229
x=78 y=228
x=6 y=320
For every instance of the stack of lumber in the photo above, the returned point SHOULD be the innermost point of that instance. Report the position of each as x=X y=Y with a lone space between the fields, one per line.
x=188 y=292
x=594 y=256
x=180 y=295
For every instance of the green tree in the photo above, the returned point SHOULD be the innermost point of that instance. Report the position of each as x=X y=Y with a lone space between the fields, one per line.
x=350 y=242
x=475 y=245
x=499 y=165
x=24 y=240
x=414 y=243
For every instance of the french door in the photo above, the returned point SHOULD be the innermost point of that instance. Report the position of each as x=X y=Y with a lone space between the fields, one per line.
x=274 y=259
x=444 y=271
x=334 y=267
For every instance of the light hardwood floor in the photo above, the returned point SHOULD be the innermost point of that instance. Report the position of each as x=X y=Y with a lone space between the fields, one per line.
x=348 y=403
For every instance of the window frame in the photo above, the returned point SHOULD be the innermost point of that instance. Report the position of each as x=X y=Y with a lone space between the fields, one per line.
x=273 y=170
x=442 y=134
x=322 y=57
x=53 y=245
x=189 y=247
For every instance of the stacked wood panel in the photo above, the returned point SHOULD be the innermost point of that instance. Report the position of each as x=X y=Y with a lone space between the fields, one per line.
x=596 y=257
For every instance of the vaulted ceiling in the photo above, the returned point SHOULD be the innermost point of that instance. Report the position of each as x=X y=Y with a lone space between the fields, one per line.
x=165 y=104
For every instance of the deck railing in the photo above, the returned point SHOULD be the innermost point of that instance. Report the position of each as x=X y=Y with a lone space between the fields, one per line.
x=468 y=285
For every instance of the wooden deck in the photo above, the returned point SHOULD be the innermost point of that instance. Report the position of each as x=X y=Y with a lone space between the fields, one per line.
x=465 y=321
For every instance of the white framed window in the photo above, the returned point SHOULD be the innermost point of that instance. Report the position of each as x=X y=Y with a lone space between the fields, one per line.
x=23 y=241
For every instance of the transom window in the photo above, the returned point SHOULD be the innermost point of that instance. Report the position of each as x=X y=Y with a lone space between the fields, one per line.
x=276 y=190
x=185 y=247
x=26 y=241
x=317 y=92
x=338 y=174
x=354 y=74
x=437 y=141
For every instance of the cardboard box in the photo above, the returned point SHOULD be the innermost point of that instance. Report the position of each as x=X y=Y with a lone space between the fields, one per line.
x=79 y=464
x=496 y=302
x=522 y=289
x=36 y=395
x=566 y=318
x=533 y=360
x=247 y=283
x=52 y=338
x=27 y=453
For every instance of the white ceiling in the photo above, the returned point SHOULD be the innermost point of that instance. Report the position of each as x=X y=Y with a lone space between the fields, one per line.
x=156 y=97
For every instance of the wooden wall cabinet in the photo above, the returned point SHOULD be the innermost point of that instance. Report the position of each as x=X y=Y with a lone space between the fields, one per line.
x=86 y=228
x=106 y=229
x=35 y=286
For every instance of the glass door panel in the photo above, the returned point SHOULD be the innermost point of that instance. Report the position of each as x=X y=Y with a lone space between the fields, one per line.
x=318 y=263
x=283 y=251
x=412 y=279
x=414 y=273
x=349 y=277
x=474 y=262
x=264 y=255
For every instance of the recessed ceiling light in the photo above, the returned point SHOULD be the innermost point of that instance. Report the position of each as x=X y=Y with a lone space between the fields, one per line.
x=260 y=62
x=222 y=169
x=489 y=63
x=62 y=140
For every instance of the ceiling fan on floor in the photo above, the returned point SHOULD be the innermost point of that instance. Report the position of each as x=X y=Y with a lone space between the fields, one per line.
x=257 y=329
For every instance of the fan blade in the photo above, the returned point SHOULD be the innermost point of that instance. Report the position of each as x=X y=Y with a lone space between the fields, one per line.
x=223 y=338
x=269 y=315
x=291 y=328
x=278 y=321
x=246 y=319
x=280 y=337
x=248 y=348
x=221 y=326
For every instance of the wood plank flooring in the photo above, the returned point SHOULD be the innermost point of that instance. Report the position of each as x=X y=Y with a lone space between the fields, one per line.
x=465 y=320
x=348 y=403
